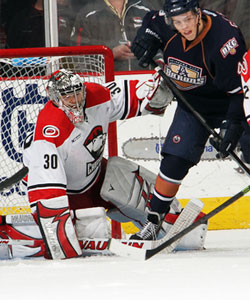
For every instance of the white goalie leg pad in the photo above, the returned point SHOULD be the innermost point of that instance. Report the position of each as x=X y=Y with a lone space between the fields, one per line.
x=129 y=187
x=4 y=252
x=194 y=240
x=23 y=227
x=92 y=223
x=57 y=229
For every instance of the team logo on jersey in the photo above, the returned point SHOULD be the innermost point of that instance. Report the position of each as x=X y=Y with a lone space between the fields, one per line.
x=176 y=139
x=184 y=75
x=229 y=47
x=243 y=67
x=51 y=131
x=95 y=143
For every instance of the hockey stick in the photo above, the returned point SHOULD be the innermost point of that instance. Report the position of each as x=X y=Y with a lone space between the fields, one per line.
x=187 y=217
x=14 y=178
x=195 y=113
x=152 y=252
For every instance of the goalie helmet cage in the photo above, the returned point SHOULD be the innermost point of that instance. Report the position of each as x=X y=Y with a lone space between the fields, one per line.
x=23 y=77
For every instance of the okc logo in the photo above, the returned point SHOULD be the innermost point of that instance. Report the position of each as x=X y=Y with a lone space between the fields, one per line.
x=16 y=120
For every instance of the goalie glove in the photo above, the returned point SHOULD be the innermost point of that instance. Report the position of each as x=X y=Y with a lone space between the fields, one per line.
x=159 y=96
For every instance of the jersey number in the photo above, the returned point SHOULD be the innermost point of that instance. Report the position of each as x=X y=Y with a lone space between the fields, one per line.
x=50 y=161
x=246 y=91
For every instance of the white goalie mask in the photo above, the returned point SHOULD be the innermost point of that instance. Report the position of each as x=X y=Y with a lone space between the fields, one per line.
x=68 y=92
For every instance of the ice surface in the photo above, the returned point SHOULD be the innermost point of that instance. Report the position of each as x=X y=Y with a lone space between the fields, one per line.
x=222 y=271
x=219 y=272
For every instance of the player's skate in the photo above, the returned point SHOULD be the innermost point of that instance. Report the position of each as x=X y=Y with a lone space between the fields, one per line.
x=151 y=228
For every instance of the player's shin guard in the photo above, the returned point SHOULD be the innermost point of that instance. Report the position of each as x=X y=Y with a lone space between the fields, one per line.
x=57 y=229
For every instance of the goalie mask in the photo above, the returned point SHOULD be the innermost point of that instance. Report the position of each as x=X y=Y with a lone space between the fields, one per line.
x=68 y=92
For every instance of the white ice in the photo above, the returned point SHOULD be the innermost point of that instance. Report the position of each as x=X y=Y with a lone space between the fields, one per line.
x=221 y=271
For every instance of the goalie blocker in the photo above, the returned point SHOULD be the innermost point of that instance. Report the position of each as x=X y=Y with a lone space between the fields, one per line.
x=127 y=185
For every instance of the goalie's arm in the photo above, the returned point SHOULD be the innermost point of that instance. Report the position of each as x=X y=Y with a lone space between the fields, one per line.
x=131 y=98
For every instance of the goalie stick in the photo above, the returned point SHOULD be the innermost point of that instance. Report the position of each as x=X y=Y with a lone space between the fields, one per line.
x=195 y=113
x=14 y=178
x=187 y=216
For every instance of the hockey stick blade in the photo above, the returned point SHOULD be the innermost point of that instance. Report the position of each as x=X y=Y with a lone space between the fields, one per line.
x=187 y=216
x=151 y=252
x=14 y=178
x=196 y=114
x=116 y=247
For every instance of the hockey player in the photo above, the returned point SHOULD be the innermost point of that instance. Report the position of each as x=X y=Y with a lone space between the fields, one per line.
x=201 y=51
x=245 y=78
x=65 y=158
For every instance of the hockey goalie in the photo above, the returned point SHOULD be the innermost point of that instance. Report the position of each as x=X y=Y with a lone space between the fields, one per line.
x=71 y=187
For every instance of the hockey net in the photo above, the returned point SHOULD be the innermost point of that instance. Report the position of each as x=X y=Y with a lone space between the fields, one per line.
x=23 y=77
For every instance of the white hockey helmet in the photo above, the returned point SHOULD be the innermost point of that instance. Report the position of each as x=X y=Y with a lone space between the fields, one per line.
x=68 y=92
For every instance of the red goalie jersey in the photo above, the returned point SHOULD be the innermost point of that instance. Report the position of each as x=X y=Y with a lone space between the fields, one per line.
x=65 y=158
x=245 y=77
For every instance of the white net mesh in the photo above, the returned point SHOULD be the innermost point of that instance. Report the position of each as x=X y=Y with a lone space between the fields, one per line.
x=23 y=94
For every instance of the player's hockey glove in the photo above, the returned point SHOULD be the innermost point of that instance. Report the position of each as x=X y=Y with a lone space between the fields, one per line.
x=230 y=140
x=146 y=46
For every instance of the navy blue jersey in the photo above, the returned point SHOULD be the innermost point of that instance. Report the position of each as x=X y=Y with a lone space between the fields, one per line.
x=205 y=69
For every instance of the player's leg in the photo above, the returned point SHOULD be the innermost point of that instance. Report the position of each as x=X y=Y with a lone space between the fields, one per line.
x=129 y=187
x=182 y=150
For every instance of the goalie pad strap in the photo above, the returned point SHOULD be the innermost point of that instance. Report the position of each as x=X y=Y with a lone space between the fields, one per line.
x=57 y=229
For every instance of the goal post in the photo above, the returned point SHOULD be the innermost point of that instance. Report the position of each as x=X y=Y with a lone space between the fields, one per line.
x=23 y=78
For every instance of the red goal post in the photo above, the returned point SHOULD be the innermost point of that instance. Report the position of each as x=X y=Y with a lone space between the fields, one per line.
x=23 y=77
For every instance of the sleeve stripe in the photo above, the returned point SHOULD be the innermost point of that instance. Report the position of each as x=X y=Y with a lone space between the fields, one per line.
x=126 y=100
x=47 y=185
